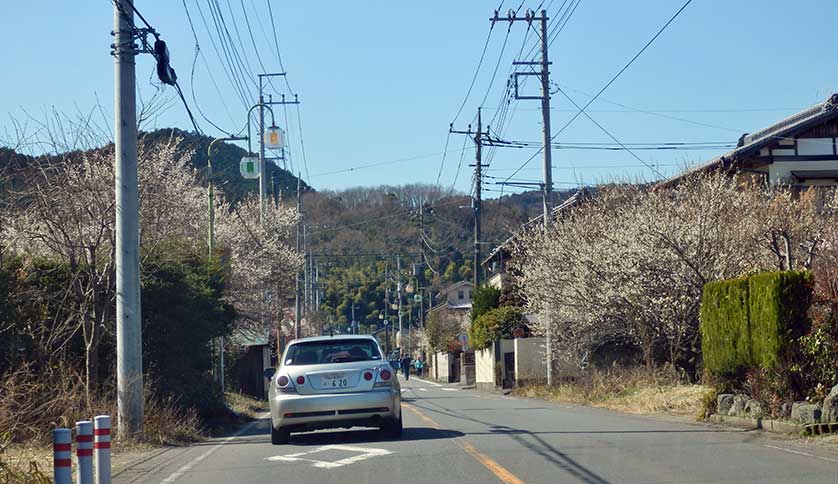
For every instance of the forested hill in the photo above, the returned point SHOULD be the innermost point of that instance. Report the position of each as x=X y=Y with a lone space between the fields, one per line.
x=225 y=165
x=356 y=233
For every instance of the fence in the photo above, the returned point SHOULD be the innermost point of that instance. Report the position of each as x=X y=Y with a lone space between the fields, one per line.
x=93 y=451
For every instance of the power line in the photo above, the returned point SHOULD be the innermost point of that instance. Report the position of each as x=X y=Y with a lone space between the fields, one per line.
x=276 y=44
x=378 y=219
x=383 y=163
x=153 y=53
x=625 y=67
x=200 y=53
x=225 y=60
x=476 y=73
x=302 y=143
x=608 y=84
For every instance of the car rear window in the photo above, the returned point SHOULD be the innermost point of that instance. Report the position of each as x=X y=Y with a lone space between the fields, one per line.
x=338 y=351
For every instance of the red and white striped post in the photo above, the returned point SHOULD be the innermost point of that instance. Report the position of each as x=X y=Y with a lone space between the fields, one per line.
x=62 y=452
x=102 y=448
x=84 y=452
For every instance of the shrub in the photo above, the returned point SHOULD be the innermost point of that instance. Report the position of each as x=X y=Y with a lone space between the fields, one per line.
x=496 y=324
x=777 y=302
x=725 y=328
x=754 y=321
x=483 y=299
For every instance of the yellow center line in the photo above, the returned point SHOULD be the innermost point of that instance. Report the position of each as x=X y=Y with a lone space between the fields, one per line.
x=498 y=470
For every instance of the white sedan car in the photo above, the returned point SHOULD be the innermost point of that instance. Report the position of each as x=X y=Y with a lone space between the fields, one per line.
x=333 y=382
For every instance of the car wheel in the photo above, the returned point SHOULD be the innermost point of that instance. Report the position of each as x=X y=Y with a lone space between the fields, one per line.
x=279 y=436
x=392 y=428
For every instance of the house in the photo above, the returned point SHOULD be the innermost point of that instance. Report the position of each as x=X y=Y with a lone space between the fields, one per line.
x=455 y=309
x=254 y=358
x=798 y=151
x=457 y=296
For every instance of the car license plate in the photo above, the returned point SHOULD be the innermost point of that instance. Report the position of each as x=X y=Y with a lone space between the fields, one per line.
x=338 y=380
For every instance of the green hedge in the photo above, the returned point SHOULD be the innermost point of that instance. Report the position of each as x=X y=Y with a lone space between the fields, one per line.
x=753 y=321
x=777 y=302
x=724 y=326
x=498 y=323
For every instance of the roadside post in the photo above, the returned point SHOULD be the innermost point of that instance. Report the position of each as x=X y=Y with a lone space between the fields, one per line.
x=61 y=450
x=84 y=452
x=102 y=448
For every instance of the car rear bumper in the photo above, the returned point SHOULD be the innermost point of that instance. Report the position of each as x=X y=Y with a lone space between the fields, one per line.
x=309 y=412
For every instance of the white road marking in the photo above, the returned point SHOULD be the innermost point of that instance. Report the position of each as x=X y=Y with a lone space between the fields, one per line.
x=798 y=452
x=433 y=383
x=364 y=453
x=450 y=389
x=188 y=467
x=422 y=389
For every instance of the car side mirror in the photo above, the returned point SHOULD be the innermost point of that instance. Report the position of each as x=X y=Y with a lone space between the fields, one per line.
x=269 y=373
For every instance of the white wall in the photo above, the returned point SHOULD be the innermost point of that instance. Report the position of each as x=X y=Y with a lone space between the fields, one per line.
x=530 y=359
x=781 y=170
x=443 y=364
x=484 y=366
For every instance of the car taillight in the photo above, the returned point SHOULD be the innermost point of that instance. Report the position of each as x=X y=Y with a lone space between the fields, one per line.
x=367 y=376
x=385 y=375
x=300 y=380
x=282 y=381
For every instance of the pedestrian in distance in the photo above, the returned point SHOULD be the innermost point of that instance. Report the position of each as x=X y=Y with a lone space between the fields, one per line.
x=406 y=367
x=419 y=365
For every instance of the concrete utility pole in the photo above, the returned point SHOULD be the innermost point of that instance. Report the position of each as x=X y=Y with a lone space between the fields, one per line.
x=399 y=295
x=478 y=188
x=386 y=309
x=263 y=180
x=306 y=259
x=297 y=299
x=545 y=117
x=129 y=360
x=547 y=186
x=352 y=326
x=478 y=195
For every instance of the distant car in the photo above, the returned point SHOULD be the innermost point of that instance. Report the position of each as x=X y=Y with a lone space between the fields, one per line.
x=333 y=382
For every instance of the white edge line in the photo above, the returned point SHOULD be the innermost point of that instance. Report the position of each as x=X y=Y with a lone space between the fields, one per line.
x=187 y=467
x=428 y=382
x=798 y=452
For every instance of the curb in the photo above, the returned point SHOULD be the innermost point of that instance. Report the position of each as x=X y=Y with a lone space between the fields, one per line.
x=767 y=425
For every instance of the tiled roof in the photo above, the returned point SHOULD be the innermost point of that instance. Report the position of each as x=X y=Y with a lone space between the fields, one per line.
x=752 y=143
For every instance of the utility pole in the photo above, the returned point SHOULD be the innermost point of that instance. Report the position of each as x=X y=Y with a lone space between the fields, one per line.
x=544 y=76
x=297 y=299
x=129 y=360
x=399 y=295
x=306 y=260
x=386 y=309
x=352 y=329
x=263 y=181
x=478 y=189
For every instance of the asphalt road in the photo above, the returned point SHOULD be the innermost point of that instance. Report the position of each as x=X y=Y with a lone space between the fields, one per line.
x=462 y=436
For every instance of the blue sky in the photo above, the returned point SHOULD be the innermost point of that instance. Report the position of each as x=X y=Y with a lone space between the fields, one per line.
x=380 y=81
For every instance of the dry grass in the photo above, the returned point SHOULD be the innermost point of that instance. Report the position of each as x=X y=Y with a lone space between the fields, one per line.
x=245 y=405
x=637 y=390
x=33 y=404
